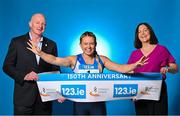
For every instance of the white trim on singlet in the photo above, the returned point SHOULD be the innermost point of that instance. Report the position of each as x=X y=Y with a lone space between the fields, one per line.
x=80 y=61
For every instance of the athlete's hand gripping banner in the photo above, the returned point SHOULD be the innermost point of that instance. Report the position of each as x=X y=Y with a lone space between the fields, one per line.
x=99 y=86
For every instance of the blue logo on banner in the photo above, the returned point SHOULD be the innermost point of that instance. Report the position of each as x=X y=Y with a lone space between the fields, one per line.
x=74 y=91
x=88 y=66
x=125 y=90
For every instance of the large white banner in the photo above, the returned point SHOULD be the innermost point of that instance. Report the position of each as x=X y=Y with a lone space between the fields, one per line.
x=99 y=86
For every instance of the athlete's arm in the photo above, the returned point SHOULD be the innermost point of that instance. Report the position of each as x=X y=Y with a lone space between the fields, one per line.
x=67 y=61
x=123 y=68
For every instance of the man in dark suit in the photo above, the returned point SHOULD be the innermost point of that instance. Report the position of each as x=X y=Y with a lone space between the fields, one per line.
x=23 y=66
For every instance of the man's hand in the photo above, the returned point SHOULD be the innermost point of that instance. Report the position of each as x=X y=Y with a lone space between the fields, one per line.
x=32 y=76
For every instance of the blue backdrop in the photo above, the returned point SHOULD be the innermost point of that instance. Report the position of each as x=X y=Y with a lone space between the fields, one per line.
x=114 y=23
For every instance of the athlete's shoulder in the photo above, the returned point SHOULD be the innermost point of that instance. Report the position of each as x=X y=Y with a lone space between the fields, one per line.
x=103 y=58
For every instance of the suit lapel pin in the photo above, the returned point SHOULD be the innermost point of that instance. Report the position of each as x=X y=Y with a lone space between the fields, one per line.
x=46 y=45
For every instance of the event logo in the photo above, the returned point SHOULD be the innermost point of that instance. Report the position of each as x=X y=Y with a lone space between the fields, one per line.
x=94 y=92
x=43 y=92
x=148 y=90
x=47 y=92
x=99 y=91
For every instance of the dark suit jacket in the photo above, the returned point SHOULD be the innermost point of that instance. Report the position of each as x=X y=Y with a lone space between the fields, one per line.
x=20 y=61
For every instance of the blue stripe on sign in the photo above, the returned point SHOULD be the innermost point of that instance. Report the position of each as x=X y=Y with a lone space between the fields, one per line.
x=74 y=91
x=125 y=90
x=99 y=77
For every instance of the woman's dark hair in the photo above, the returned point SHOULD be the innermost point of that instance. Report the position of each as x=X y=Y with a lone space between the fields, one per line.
x=153 y=38
x=91 y=34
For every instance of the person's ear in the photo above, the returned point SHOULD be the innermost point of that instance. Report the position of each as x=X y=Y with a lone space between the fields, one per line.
x=80 y=45
x=30 y=24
